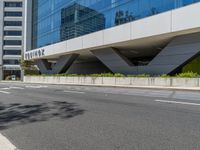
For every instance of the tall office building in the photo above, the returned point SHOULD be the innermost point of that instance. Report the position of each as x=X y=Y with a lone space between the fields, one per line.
x=11 y=37
x=120 y=36
x=73 y=23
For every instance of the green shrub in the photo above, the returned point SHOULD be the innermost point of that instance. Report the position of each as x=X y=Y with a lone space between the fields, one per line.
x=143 y=75
x=181 y=75
x=102 y=75
x=31 y=72
x=106 y=75
x=139 y=75
x=85 y=75
x=187 y=75
x=119 y=75
x=165 y=76
x=192 y=66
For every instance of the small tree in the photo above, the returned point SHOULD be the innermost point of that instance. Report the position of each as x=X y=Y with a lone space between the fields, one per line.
x=29 y=67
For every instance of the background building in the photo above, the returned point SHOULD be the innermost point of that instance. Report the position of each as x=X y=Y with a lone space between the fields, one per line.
x=120 y=36
x=73 y=23
x=11 y=37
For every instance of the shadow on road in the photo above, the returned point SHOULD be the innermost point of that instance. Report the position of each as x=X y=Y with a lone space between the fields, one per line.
x=18 y=114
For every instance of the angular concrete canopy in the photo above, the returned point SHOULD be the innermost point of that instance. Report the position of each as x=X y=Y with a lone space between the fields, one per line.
x=178 y=52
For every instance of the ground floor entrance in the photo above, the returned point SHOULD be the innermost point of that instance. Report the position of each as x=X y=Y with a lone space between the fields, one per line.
x=11 y=74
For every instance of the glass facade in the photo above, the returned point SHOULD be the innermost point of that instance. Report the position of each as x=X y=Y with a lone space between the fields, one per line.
x=58 y=20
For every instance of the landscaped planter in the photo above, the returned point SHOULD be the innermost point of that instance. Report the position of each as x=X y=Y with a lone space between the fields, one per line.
x=166 y=82
x=190 y=82
x=116 y=81
x=123 y=81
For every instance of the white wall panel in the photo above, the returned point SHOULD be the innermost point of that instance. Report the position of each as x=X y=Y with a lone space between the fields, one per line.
x=93 y=39
x=74 y=44
x=155 y=25
x=117 y=34
x=186 y=18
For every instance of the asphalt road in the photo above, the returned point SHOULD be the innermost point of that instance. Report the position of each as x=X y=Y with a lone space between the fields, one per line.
x=55 y=117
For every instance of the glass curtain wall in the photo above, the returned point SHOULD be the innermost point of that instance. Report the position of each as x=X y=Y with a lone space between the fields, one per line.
x=58 y=20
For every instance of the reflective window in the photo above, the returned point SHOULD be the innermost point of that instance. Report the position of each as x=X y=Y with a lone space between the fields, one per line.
x=11 y=62
x=12 y=33
x=13 y=4
x=12 y=23
x=12 y=52
x=12 y=14
x=58 y=20
x=12 y=42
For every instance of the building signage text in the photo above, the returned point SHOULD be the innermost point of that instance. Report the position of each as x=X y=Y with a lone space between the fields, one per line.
x=35 y=54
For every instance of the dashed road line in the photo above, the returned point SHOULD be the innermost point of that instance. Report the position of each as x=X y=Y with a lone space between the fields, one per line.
x=5 y=144
x=4 y=92
x=12 y=87
x=36 y=87
x=5 y=88
x=20 y=88
x=76 y=92
x=178 y=102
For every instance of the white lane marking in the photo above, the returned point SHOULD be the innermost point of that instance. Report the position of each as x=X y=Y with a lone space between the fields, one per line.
x=5 y=144
x=4 y=92
x=43 y=86
x=77 y=92
x=5 y=88
x=36 y=87
x=20 y=88
x=178 y=102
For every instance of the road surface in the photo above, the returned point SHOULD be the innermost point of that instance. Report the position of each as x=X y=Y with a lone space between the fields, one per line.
x=61 y=117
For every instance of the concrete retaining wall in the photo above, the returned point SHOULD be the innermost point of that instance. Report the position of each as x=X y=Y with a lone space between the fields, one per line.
x=117 y=81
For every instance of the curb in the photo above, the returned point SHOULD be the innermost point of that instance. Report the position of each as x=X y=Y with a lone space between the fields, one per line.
x=121 y=86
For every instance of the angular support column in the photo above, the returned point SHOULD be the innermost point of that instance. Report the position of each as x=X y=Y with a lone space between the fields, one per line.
x=177 y=53
x=43 y=65
x=64 y=63
x=116 y=62
x=61 y=66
